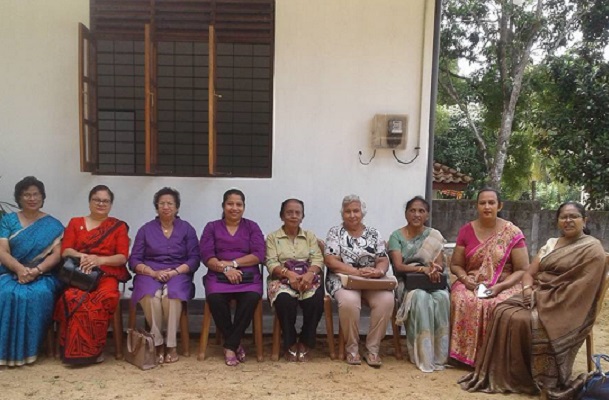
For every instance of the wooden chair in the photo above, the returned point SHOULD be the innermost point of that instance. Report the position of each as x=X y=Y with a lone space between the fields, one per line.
x=184 y=330
x=341 y=338
x=329 y=331
x=599 y=306
x=257 y=331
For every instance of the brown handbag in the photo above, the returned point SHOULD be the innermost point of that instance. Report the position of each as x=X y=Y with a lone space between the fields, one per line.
x=141 y=351
x=360 y=283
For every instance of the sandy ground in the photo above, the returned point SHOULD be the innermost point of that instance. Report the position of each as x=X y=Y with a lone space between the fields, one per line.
x=210 y=379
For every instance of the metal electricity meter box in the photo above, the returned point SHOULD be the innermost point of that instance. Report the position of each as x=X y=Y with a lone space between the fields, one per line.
x=389 y=131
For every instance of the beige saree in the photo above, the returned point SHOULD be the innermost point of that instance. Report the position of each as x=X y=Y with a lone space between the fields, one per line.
x=531 y=349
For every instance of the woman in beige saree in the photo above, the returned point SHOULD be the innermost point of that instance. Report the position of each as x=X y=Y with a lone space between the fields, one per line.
x=534 y=336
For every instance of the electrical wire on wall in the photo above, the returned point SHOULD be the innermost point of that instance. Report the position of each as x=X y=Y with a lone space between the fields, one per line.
x=404 y=162
x=371 y=158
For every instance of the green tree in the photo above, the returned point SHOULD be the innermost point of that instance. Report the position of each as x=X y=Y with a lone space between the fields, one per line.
x=572 y=113
x=496 y=39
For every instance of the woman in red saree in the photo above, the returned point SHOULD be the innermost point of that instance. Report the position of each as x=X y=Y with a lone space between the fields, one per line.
x=98 y=240
x=534 y=336
x=489 y=251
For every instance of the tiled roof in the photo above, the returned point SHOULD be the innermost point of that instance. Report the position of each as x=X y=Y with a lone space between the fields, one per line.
x=445 y=174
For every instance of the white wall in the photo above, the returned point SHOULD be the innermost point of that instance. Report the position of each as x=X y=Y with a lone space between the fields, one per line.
x=337 y=63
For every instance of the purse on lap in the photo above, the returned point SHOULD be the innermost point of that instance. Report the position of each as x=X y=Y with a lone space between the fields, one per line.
x=246 y=277
x=416 y=280
x=353 y=282
x=71 y=274
x=299 y=267
x=141 y=351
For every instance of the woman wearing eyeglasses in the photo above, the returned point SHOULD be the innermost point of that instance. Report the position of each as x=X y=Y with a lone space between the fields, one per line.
x=29 y=251
x=98 y=240
x=534 y=336
x=165 y=256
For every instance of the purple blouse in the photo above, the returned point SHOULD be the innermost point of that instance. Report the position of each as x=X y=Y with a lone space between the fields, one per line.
x=152 y=248
x=217 y=242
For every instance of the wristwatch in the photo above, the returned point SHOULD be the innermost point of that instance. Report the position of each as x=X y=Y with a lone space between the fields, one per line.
x=235 y=264
x=227 y=268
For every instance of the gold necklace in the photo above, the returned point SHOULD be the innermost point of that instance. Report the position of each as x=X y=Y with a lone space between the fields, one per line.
x=166 y=230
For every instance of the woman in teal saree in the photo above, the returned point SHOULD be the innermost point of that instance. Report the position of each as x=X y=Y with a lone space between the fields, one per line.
x=29 y=251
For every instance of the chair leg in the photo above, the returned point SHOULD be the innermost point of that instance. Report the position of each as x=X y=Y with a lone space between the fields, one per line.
x=329 y=326
x=184 y=330
x=590 y=351
x=341 y=343
x=204 y=332
x=257 y=327
x=118 y=332
x=51 y=340
x=132 y=312
x=276 y=338
x=396 y=334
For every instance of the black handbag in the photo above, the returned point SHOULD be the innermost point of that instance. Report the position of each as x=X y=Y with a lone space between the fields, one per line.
x=416 y=280
x=246 y=277
x=596 y=386
x=71 y=274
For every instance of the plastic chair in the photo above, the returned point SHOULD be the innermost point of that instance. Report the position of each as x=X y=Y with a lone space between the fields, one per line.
x=184 y=332
x=599 y=307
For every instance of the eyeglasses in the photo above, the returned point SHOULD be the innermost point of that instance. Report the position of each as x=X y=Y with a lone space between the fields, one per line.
x=166 y=204
x=31 y=196
x=101 y=202
x=571 y=217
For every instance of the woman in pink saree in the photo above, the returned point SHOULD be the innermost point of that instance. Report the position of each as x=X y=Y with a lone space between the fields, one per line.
x=490 y=251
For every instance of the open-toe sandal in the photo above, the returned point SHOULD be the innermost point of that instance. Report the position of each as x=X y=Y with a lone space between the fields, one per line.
x=353 y=359
x=171 y=356
x=373 y=360
x=303 y=353
x=240 y=353
x=230 y=360
x=291 y=355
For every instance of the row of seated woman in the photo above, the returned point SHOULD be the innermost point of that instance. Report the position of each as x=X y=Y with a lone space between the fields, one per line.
x=563 y=278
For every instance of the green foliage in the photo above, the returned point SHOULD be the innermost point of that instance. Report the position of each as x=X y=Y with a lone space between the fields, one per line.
x=453 y=146
x=572 y=108
x=492 y=40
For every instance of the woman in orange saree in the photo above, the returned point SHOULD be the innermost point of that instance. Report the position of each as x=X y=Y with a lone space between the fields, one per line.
x=490 y=251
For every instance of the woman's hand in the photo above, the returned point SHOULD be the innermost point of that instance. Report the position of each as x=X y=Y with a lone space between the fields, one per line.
x=26 y=275
x=372 y=273
x=469 y=282
x=234 y=275
x=434 y=275
x=164 y=275
x=494 y=291
x=306 y=281
x=88 y=262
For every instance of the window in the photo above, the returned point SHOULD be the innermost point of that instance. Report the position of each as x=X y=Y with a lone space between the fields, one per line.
x=177 y=88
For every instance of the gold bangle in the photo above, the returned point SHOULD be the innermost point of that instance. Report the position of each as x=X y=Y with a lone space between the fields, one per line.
x=283 y=271
x=525 y=287
x=462 y=276
x=421 y=270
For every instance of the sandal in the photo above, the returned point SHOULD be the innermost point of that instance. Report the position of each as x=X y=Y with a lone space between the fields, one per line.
x=353 y=359
x=171 y=356
x=303 y=353
x=291 y=355
x=230 y=360
x=240 y=353
x=160 y=354
x=373 y=360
